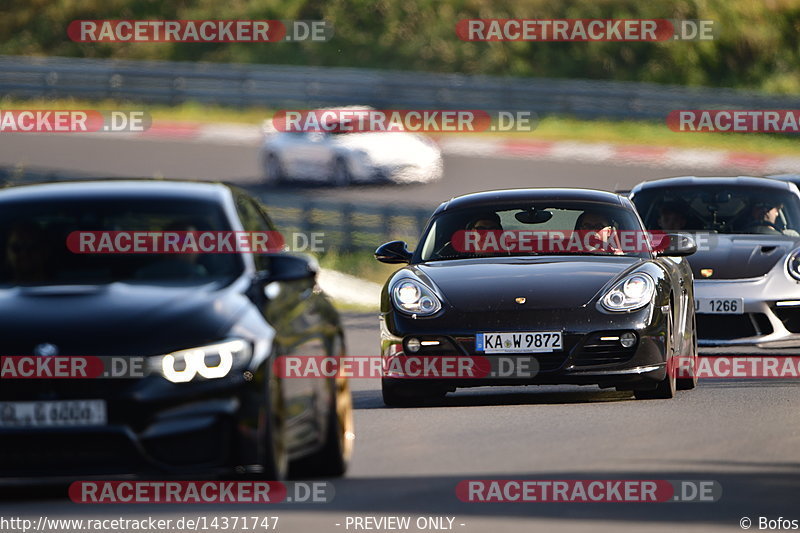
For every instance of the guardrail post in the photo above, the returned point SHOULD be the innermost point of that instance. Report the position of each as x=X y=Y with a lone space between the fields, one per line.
x=387 y=215
x=175 y=82
x=243 y=84
x=308 y=222
x=422 y=219
x=347 y=228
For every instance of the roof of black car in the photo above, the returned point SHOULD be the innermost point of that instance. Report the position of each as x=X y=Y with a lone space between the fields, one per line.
x=506 y=196
x=794 y=178
x=694 y=181
x=115 y=188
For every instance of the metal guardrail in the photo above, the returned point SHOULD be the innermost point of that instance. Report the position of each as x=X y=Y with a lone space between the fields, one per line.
x=344 y=226
x=348 y=226
x=308 y=87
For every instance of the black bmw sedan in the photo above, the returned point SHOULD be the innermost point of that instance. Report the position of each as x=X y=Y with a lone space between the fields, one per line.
x=202 y=328
x=537 y=286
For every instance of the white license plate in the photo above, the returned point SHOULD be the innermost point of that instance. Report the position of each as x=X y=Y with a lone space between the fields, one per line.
x=66 y=413
x=520 y=342
x=719 y=306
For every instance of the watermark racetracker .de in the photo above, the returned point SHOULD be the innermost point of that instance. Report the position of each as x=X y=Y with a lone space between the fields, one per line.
x=192 y=242
x=199 y=31
x=73 y=121
x=585 y=30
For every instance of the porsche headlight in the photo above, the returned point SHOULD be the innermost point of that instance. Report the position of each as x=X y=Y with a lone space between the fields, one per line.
x=413 y=297
x=631 y=293
x=209 y=362
x=793 y=264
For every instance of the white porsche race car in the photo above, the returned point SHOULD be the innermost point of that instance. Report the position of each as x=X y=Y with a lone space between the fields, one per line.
x=341 y=158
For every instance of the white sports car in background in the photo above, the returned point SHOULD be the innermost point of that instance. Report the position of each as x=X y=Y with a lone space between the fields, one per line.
x=344 y=158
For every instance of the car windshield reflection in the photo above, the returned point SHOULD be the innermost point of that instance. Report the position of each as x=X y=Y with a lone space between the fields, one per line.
x=34 y=241
x=525 y=230
x=731 y=210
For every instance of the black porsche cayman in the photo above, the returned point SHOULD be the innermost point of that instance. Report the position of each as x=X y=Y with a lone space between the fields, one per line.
x=537 y=286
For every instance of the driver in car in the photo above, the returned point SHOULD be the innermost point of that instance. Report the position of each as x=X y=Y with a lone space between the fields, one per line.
x=765 y=219
x=671 y=217
x=482 y=222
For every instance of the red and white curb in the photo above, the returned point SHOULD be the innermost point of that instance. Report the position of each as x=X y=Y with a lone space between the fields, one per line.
x=485 y=146
x=621 y=154
x=352 y=290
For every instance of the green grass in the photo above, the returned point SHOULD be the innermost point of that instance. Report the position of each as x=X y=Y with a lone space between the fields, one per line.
x=363 y=264
x=189 y=111
x=658 y=134
x=548 y=129
x=359 y=264
x=355 y=308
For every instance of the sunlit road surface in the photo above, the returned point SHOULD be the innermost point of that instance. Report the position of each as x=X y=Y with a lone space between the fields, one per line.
x=171 y=158
x=744 y=434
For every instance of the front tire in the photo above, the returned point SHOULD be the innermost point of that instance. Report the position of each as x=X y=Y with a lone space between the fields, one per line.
x=691 y=382
x=666 y=388
x=664 y=391
x=274 y=453
x=333 y=458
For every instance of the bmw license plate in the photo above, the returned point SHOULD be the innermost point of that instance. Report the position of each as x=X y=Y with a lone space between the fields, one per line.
x=719 y=306
x=67 y=413
x=519 y=342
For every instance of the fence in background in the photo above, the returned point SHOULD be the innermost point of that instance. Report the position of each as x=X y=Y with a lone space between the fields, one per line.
x=348 y=226
x=308 y=87
x=345 y=226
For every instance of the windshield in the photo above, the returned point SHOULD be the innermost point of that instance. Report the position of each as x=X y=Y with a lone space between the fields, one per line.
x=552 y=228
x=33 y=239
x=720 y=209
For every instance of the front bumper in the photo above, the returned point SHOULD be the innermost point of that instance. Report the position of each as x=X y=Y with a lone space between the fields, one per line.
x=586 y=359
x=766 y=322
x=406 y=172
x=154 y=427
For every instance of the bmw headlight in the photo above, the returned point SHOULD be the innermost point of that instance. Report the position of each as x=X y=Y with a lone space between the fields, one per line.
x=793 y=264
x=209 y=362
x=413 y=297
x=631 y=293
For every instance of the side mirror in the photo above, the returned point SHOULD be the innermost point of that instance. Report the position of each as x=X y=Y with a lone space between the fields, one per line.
x=393 y=252
x=285 y=267
x=676 y=245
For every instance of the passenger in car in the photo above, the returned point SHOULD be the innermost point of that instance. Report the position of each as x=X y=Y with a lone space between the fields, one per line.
x=486 y=221
x=175 y=266
x=671 y=217
x=603 y=229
